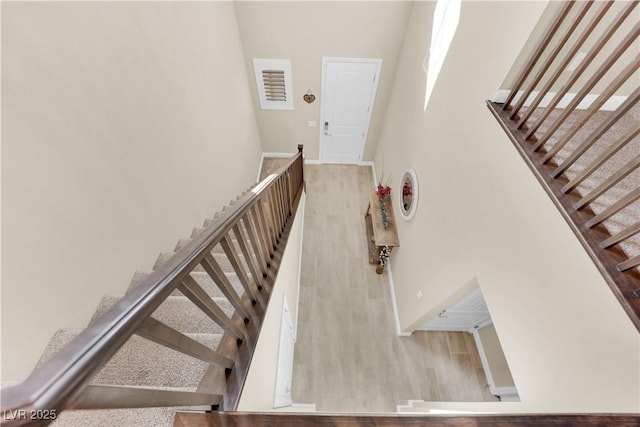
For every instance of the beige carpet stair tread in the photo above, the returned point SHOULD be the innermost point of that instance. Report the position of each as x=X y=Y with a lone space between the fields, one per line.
x=164 y=256
x=196 y=231
x=145 y=417
x=208 y=221
x=630 y=214
x=179 y=313
x=211 y=288
x=136 y=279
x=225 y=263
x=181 y=244
x=60 y=338
x=203 y=280
x=141 y=362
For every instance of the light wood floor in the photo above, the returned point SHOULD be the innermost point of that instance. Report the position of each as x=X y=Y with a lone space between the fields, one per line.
x=348 y=357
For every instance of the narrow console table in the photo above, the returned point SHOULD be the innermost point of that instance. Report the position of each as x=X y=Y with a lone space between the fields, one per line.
x=379 y=237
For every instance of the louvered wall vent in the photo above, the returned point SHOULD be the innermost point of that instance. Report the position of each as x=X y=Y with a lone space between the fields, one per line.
x=273 y=77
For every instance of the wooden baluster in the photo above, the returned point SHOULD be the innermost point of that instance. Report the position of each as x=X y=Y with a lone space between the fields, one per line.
x=256 y=272
x=562 y=67
x=260 y=238
x=593 y=108
x=162 y=334
x=284 y=200
x=577 y=73
x=614 y=208
x=289 y=191
x=537 y=54
x=596 y=134
x=623 y=235
x=117 y=397
x=300 y=163
x=609 y=182
x=547 y=64
x=279 y=208
x=600 y=160
x=258 y=248
x=286 y=195
x=629 y=264
x=232 y=254
x=212 y=267
x=192 y=290
x=275 y=214
x=264 y=238
x=298 y=178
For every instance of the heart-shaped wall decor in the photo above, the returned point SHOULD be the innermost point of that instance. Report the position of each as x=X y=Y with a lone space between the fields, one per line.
x=309 y=98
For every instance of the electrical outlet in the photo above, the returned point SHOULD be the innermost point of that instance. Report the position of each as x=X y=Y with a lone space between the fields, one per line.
x=311 y=124
x=419 y=294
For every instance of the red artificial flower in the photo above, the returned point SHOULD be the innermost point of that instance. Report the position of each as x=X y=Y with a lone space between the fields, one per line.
x=383 y=191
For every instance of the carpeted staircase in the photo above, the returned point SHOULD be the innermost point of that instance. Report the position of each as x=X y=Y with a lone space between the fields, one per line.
x=627 y=216
x=143 y=363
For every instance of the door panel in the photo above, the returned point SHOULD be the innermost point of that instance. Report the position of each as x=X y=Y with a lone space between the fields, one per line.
x=348 y=95
x=465 y=315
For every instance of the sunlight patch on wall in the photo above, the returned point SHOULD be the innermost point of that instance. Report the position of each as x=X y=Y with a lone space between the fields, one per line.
x=445 y=24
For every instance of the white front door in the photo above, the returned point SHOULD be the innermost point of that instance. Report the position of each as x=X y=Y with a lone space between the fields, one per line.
x=348 y=93
x=465 y=315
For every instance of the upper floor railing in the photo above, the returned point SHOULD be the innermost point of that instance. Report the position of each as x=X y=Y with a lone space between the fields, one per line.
x=573 y=115
x=257 y=223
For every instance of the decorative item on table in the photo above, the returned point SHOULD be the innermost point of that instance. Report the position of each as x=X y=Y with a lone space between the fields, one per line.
x=384 y=214
x=384 y=258
x=383 y=190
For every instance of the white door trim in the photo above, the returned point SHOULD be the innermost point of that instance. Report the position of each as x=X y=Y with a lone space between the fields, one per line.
x=325 y=60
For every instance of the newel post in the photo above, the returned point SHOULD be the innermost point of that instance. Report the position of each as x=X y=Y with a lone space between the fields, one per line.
x=300 y=147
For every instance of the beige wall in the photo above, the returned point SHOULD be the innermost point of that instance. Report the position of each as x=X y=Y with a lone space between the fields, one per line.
x=304 y=32
x=124 y=125
x=259 y=388
x=483 y=215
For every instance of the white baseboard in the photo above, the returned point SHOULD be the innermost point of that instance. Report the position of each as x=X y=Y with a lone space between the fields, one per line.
x=375 y=177
x=409 y=405
x=279 y=155
x=610 y=105
x=301 y=208
x=260 y=168
x=320 y=162
x=396 y=317
x=267 y=154
x=507 y=394
x=297 y=407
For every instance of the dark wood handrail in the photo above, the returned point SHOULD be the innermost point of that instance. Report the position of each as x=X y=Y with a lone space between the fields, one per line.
x=239 y=419
x=59 y=382
x=550 y=156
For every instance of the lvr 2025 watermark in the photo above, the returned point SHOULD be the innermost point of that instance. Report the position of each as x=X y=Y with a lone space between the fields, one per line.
x=29 y=414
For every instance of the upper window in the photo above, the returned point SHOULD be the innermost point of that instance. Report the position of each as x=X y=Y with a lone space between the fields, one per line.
x=273 y=77
x=445 y=23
